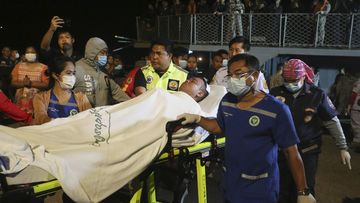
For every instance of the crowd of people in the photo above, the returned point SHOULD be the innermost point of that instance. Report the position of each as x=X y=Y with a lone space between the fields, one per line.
x=57 y=82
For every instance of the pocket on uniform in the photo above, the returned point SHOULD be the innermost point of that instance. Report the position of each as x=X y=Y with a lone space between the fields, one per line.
x=255 y=185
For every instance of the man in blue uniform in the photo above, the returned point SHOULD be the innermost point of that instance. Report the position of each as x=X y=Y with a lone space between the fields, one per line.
x=255 y=125
x=312 y=110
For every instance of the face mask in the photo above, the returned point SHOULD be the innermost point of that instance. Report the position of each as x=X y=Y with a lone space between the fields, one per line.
x=118 y=67
x=68 y=81
x=182 y=63
x=30 y=57
x=237 y=86
x=17 y=55
x=293 y=87
x=224 y=62
x=102 y=60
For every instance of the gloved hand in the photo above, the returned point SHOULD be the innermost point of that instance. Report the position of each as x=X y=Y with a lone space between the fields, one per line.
x=345 y=158
x=189 y=118
x=306 y=199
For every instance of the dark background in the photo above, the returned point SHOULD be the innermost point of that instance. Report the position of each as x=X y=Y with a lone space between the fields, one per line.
x=25 y=22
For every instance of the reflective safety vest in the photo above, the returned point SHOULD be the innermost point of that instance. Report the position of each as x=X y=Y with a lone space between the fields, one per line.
x=169 y=81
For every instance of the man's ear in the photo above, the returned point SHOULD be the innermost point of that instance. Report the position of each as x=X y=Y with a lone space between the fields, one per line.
x=73 y=40
x=200 y=94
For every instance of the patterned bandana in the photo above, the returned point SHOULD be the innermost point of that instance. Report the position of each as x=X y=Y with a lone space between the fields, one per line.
x=294 y=69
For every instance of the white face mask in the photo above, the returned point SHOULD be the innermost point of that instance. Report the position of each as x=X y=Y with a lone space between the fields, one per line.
x=224 y=62
x=102 y=60
x=68 y=81
x=30 y=57
x=118 y=67
x=293 y=87
x=182 y=64
x=238 y=87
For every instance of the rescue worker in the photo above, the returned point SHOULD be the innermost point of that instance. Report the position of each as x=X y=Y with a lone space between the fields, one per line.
x=238 y=45
x=312 y=110
x=161 y=72
x=99 y=87
x=255 y=124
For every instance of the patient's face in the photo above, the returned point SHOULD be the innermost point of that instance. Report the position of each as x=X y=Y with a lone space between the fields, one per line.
x=192 y=87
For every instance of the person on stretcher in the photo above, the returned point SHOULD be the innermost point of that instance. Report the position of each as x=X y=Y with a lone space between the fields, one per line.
x=87 y=152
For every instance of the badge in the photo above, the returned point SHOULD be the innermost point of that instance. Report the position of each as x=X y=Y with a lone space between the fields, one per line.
x=254 y=121
x=309 y=113
x=73 y=112
x=149 y=79
x=282 y=99
x=173 y=85
x=128 y=81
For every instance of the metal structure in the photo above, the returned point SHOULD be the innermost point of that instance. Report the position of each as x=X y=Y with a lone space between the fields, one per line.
x=292 y=30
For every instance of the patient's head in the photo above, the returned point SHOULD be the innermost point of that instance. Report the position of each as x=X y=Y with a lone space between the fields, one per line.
x=196 y=87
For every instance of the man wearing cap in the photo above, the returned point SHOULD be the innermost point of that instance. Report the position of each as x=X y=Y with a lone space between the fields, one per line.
x=312 y=110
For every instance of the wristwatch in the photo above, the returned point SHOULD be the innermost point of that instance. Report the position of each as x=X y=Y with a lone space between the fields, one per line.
x=304 y=192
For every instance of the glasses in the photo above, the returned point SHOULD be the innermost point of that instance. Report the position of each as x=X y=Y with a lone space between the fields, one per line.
x=237 y=75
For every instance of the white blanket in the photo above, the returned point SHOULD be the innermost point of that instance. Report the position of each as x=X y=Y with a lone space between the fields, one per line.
x=96 y=152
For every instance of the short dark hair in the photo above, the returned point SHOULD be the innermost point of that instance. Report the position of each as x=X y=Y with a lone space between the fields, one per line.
x=204 y=89
x=168 y=45
x=251 y=61
x=223 y=51
x=192 y=55
x=217 y=53
x=241 y=39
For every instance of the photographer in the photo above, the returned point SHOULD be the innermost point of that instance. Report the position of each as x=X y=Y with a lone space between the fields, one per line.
x=65 y=41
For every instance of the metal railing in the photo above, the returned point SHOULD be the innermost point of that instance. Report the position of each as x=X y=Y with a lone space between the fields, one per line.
x=274 y=30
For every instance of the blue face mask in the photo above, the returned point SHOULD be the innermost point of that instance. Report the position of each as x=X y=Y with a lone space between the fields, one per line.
x=238 y=86
x=293 y=87
x=101 y=61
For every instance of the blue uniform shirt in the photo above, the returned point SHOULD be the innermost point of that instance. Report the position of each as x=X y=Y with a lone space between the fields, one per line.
x=252 y=139
x=56 y=110
x=309 y=109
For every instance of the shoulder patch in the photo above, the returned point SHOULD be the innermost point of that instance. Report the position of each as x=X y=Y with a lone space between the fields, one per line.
x=173 y=85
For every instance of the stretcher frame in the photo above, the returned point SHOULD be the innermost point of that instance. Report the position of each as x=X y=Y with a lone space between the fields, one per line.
x=200 y=152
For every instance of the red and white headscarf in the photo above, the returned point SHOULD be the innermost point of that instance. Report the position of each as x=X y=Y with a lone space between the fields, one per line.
x=294 y=69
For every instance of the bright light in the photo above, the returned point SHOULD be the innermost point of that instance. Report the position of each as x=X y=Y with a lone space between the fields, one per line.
x=190 y=52
x=200 y=59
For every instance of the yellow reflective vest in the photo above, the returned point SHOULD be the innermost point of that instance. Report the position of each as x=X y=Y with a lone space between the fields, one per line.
x=169 y=81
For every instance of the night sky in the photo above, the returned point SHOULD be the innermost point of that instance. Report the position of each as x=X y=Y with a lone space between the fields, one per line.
x=25 y=22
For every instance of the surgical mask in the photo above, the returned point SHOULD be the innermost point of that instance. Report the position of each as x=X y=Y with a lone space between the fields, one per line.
x=68 y=81
x=224 y=62
x=118 y=67
x=30 y=57
x=238 y=86
x=17 y=55
x=182 y=64
x=101 y=61
x=293 y=87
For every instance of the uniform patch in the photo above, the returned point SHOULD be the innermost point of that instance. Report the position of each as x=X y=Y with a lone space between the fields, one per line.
x=282 y=99
x=73 y=112
x=173 y=85
x=254 y=121
x=149 y=79
x=309 y=114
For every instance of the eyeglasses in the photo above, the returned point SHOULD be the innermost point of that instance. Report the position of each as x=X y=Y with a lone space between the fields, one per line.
x=238 y=75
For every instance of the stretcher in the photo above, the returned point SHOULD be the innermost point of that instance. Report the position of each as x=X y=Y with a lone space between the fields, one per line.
x=40 y=187
x=197 y=154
